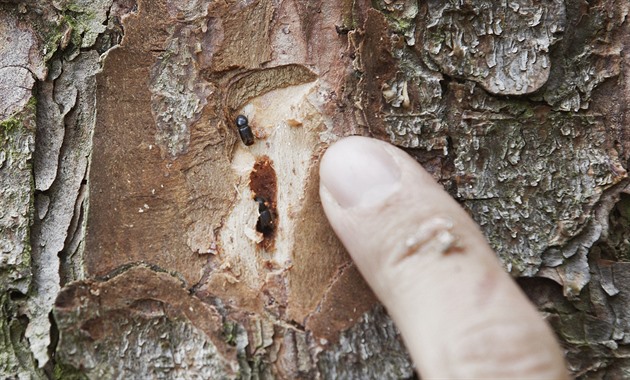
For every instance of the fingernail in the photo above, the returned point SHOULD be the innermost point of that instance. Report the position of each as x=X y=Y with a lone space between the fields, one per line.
x=358 y=171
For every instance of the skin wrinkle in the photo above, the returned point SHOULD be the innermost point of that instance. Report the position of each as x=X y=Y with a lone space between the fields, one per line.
x=480 y=348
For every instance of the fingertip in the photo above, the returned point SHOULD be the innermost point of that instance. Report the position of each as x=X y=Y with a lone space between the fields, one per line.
x=358 y=171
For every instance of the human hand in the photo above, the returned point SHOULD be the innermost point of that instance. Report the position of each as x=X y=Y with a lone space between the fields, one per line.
x=460 y=314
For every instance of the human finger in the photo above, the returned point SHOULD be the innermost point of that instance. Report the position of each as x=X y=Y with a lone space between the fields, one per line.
x=460 y=314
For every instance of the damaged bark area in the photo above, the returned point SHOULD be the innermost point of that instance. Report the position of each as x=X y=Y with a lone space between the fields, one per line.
x=136 y=224
x=241 y=226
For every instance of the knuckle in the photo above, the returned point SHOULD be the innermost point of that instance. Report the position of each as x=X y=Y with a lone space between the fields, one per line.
x=503 y=349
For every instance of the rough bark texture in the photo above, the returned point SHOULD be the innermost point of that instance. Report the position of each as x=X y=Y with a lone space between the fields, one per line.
x=128 y=226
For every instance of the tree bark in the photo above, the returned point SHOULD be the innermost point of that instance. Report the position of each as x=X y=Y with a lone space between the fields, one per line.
x=131 y=227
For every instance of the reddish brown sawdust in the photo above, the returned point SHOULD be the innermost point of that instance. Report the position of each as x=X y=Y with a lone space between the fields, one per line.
x=264 y=183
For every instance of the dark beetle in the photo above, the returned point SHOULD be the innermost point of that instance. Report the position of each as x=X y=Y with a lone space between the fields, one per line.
x=265 y=219
x=244 y=130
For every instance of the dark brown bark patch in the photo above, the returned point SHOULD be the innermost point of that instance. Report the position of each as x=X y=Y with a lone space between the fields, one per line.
x=147 y=205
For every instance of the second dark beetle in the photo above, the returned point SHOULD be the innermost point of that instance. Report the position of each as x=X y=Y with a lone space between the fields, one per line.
x=244 y=130
x=265 y=219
